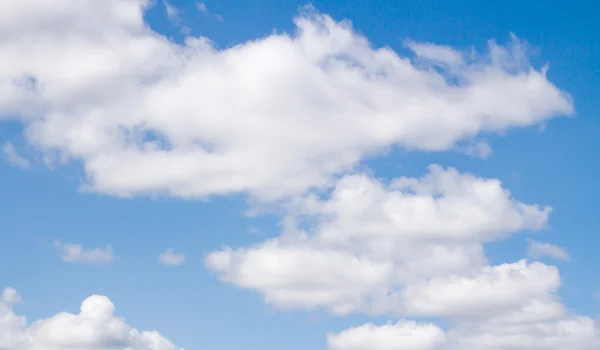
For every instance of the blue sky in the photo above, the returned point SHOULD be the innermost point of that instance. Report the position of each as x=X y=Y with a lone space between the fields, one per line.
x=549 y=161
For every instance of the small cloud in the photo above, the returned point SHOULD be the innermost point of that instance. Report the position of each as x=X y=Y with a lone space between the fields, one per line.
x=75 y=253
x=13 y=158
x=172 y=12
x=10 y=295
x=541 y=249
x=186 y=30
x=202 y=7
x=175 y=18
x=478 y=149
x=171 y=258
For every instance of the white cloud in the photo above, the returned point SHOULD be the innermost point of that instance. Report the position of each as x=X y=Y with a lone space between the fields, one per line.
x=443 y=204
x=538 y=326
x=413 y=248
x=10 y=295
x=564 y=332
x=570 y=333
x=203 y=9
x=270 y=117
x=94 y=327
x=171 y=258
x=12 y=156
x=489 y=290
x=478 y=149
x=405 y=335
x=76 y=253
x=174 y=16
x=379 y=248
x=541 y=249
x=172 y=11
x=302 y=276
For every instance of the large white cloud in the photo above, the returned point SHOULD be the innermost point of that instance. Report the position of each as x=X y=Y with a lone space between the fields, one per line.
x=443 y=205
x=94 y=327
x=566 y=332
x=413 y=247
x=270 y=117
x=539 y=324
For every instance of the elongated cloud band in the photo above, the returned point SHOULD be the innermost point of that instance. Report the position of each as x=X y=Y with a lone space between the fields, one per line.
x=271 y=117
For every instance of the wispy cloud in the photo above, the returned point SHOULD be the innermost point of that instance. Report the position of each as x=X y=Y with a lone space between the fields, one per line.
x=10 y=154
x=174 y=15
x=171 y=257
x=172 y=12
x=542 y=249
x=76 y=253
x=202 y=8
x=478 y=149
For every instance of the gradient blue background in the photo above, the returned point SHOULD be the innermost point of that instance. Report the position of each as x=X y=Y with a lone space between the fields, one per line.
x=559 y=167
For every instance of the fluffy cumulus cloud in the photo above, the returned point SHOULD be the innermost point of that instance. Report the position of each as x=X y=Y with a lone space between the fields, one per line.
x=413 y=247
x=489 y=290
x=94 y=327
x=396 y=247
x=568 y=332
x=272 y=117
